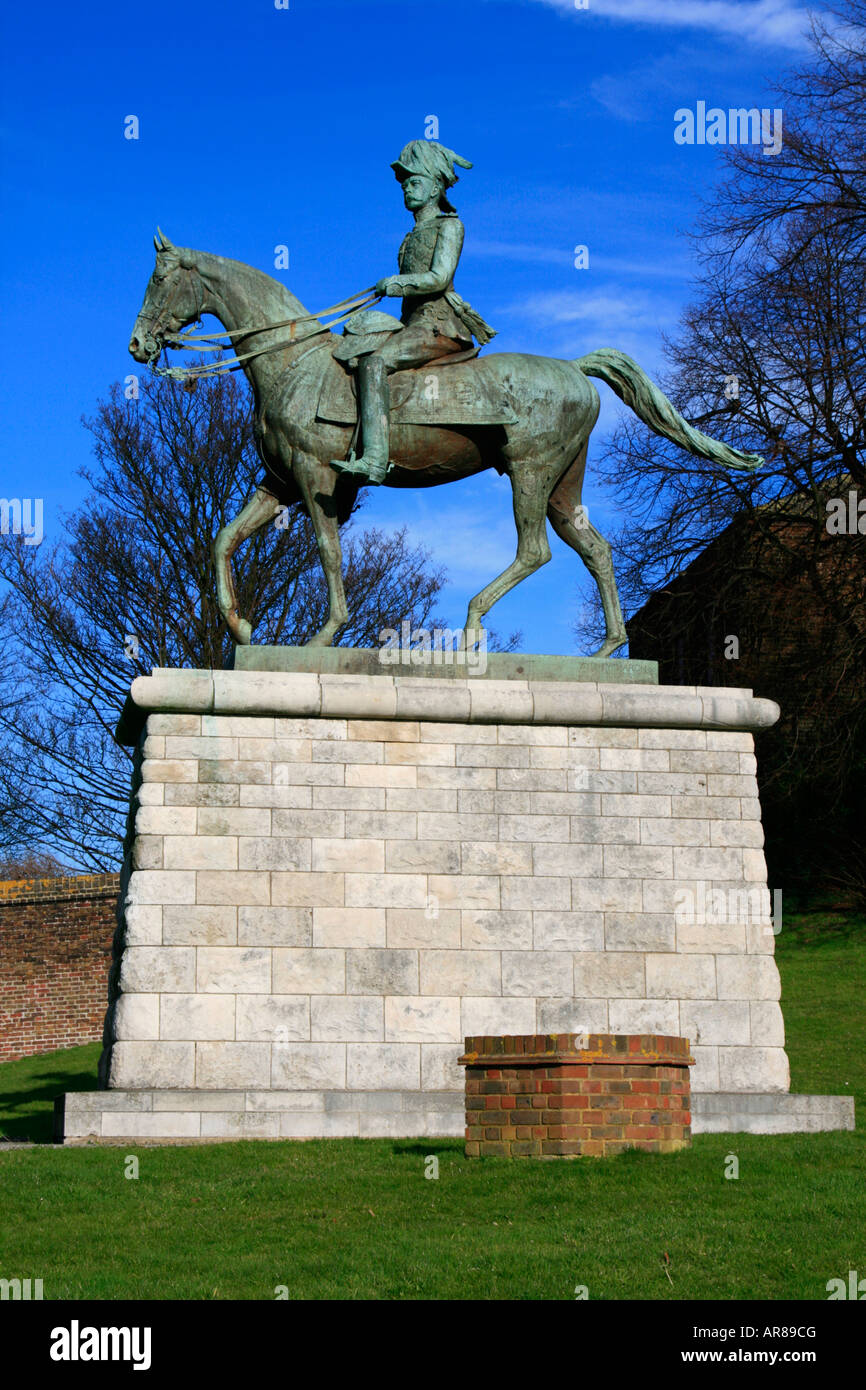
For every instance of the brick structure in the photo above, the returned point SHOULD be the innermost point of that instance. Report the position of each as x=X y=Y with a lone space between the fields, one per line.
x=568 y=1095
x=55 y=953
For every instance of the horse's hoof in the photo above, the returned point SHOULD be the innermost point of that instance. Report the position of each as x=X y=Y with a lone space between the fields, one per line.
x=608 y=648
x=240 y=629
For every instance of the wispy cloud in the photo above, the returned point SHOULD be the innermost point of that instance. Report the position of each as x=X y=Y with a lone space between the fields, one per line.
x=564 y=256
x=783 y=23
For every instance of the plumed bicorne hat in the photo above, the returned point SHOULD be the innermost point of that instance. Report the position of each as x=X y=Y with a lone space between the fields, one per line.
x=434 y=161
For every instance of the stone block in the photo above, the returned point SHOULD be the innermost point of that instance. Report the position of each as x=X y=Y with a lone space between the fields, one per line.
x=570 y=1015
x=381 y=825
x=233 y=888
x=354 y=799
x=644 y=1016
x=568 y=931
x=378 y=1066
x=309 y=824
x=450 y=973
x=153 y=1126
x=766 y=1025
x=200 y=926
x=385 y=890
x=710 y=1023
x=165 y=820
x=681 y=832
x=136 y=1018
x=232 y=821
x=160 y=887
x=608 y=975
x=201 y=852
x=157 y=970
x=438 y=826
x=274 y=852
x=297 y=796
x=423 y=856
x=571 y=860
x=440 y=1070
x=310 y=890
x=229 y=1064
x=197 y=1017
x=538 y=893
x=233 y=970
x=316 y=971
x=605 y=895
x=537 y=973
x=464 y=890
x=493 y=930
x=680 y=977
x=157 y=1064
x=417 y=927
x=422 y=1020
x=349 y=926
x=385 y=971
x=479 y=1015
x=748 y=977
x=202 y=794
x=299 y=1066
x=275 y=1018
x=349 y=856
x=143 y=925
x=639 y=931
x=341 y=1018
x=147 y=852
x=275 y=926
x=753 y=1069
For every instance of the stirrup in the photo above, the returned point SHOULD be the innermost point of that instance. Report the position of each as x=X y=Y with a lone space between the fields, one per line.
x=351 y=465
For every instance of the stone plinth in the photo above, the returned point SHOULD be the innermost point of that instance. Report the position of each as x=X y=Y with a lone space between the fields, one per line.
x=570 y=1095
x=333 y=879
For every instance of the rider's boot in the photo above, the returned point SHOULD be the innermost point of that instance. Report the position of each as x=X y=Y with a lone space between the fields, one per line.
x=375 y=402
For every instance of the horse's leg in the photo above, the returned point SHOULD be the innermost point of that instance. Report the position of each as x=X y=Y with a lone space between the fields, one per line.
x=574 y=527
x=317 y=481
x=261 y=508
x=530 y=484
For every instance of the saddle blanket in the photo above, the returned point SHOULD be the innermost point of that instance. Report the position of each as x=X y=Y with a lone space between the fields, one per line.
x=465 y=393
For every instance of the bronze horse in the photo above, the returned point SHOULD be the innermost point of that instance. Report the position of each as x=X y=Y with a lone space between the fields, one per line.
x=542 y=451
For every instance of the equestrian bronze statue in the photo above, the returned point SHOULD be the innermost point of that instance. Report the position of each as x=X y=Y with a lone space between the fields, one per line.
x=427 y=408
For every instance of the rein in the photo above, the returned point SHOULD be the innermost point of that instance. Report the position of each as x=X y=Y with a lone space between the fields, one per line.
x=209 y=342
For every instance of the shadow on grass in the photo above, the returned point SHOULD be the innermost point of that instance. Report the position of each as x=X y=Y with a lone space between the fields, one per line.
x=412 y=1149
x=27 y=1109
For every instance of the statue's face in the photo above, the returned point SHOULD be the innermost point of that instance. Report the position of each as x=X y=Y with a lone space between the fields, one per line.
x=418 y=191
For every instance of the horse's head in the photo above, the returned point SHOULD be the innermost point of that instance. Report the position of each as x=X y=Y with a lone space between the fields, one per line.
x=174 y=297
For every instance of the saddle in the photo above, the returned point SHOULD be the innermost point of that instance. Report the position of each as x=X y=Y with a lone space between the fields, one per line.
x=458 y=389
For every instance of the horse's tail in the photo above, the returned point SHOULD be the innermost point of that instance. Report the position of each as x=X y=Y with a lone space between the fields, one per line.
x=632 y=385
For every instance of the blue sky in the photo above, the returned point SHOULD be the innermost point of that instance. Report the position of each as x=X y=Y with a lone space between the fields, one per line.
x=261 y=126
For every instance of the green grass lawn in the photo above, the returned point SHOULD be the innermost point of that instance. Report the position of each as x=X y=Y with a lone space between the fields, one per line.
x=357 y=1218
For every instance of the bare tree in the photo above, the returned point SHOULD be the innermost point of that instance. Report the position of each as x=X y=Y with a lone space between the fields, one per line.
x=132 y=587
x=771 y=357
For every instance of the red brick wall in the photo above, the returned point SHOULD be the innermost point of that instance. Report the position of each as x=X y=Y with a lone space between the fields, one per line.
x=55 y=954
x=569 y=1094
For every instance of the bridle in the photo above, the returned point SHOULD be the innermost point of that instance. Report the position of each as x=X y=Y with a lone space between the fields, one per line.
x=159 y=320
x=210 y=342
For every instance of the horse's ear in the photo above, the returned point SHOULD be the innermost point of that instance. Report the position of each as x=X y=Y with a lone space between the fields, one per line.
x=162 y=243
